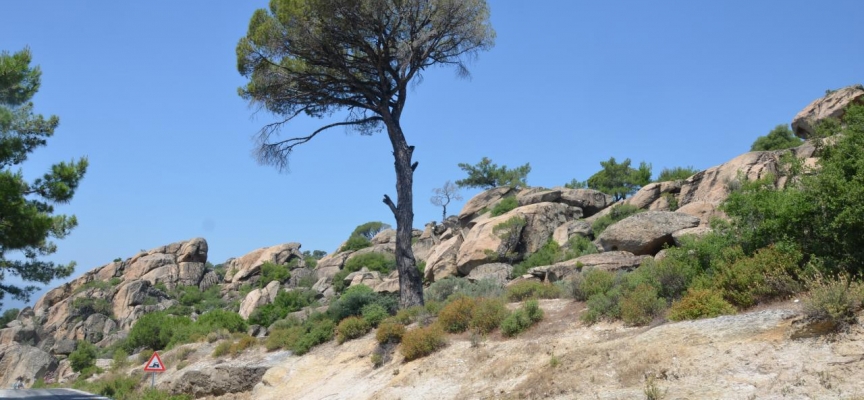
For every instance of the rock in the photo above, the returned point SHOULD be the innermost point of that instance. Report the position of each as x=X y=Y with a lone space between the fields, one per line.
x=331 y=264
x=193 y=251
x=257 y=298
x=390 y=284
x=698 y=232
x=589 y=200
x=563 y=233
x=703 y=210
x=610 y=261
x=645 y=233
x=712 y=185
x=544 y=196
x=250 y=264
x=94 y=327
x=422 y=248
x=209 y=280
x=64 y=346
x=651 y=195
x=129 y=295
x=22 y=360
x=24 y=334
x=299 y=274
x=484 y=200
x=387 y=249
x=190 y=273
x=234 y=376
x=499 y=272
x=482 y=244
x=384 y=237
x=442 y=260
x=365 y=277
x=833 y=105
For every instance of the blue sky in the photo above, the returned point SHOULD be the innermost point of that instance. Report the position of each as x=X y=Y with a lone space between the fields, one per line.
x=147 y=91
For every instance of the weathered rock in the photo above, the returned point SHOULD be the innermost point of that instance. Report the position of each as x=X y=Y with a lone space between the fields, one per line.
x=148 y=263
x=589 y=200
x=390 y=284
x=364 y=277
x=384 y=237
x=24 y=334
x=387 y=249
x=543 y=196
x=94 y=327
x=713 y=185
x=250 y=264
x=190 y=273
x=193 y=251
x=703 y=210
x=610 y=261
x=649 y=197
x=499 y=272
x=563 y=233
x=331 y=264
x=300 y=274
x=22 y=360
x=209 y=280
x=257 y=298
x=209 y=379
x=698 y=231
x=645 y=233
x=833 y=105
x=442 y=260
x=483 y=245
x=484 y=200
x=129 y=295
x=63 y=346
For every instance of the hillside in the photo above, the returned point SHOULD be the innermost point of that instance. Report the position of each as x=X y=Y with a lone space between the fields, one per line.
x=611 y=276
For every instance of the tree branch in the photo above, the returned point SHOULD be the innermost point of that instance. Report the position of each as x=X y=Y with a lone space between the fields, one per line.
x=277 y=153
x=390 y=204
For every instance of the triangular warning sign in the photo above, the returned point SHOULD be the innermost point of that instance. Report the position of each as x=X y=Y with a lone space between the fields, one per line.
x=155 y=364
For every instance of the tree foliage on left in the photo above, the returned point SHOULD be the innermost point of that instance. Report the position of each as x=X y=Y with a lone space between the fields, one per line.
x=317 y=57
x=780 y=138
x=27 y=220
x=620 y=179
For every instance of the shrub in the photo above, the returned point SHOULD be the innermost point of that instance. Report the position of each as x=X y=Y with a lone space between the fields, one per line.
x=273 y=272
x=603 y=305
x=223 y=348
x=768 y=274
x=440 y=290
x=87 y=306
x=355 y=242
x=8 y=316
x=154 y=331
x=835 y=300
x=369 y=229
x=120 y=359
x=641 y=305
x=590 y=282
x=487 y=315
x=700 y=303
x=351 y=328
x=389 y=332
x=579 y=246
x=422 y=342
x=377 y=360
x=383 y=263
x=532 y=290
x=522 y=319
x=676 y=174
x=504 y=206
x=351 y=302
x=244 y=343
x=287 y=301
x=301 y=337
x=217 y=319
x=100 y=285
x=617 y=213
x=83 y=357
x=145 y=355
x=374 y=313
x=456 y=316
x=780 y=138
x=510 y=232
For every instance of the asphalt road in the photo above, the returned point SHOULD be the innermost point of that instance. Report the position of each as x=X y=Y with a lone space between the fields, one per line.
x=48 y=394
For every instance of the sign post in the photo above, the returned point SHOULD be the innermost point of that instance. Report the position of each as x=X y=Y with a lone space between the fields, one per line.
x=153 y=366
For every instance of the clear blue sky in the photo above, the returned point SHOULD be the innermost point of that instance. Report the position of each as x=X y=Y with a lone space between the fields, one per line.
x=147 y=91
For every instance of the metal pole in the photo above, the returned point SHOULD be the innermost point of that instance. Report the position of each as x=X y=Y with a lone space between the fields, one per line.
x=153 y=380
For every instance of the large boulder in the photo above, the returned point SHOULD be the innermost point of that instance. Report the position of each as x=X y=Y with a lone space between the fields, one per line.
x=653 y=196
x=206 y=378
x=249 y=265
x=563 y=233
x=833 y=105
x=21 y=360
x=498 y=272
x=589 y=200
x=608 y=261
x=538 y=196
x=441 y=262
x=484 y=245
x=330 y=265
x=483 y=201
x=129 y=295
x=645 y=233
x=257 y=298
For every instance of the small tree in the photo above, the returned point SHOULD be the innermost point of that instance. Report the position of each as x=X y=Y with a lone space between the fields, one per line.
x=620 y=180
x=486 y=175
x=443 y=196
x=316 y=57
x=27 y=219
x=676 y=174
x=83 y=357
x=780 y=138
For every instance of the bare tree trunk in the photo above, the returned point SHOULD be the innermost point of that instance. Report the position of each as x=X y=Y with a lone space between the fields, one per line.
x=410 y=281
x=444 y=214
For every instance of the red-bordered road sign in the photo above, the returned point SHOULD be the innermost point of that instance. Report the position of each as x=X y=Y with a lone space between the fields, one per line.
x=155 y=364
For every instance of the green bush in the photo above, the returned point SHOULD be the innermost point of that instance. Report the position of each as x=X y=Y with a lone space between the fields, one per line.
x=100 y=285
x=768 y=274
x=87 y=306
x=355 y=242
x=617 y=213
x=389 y=332
x=700 y=303
x=83 y=357
x=351 y=328
x=351 y=302
x=676 y=174
x=200 y=301
x=455 y=317
x=532 y=290
x=222 y=348
x=487 y=175
x=8 y=316
x=217 y=319
x=302 y=337
x=273 y=272
x=487 y=315
x=523 y=318
x=421 y=342
x=504 y=206
x=374 y=313
x=286 y=302
x=383 y=263
x=835 y=300
x=780 y=138
x=603 y=306
x=620 y=180
x=640 y=306
x=154 y=331
x=452 y=287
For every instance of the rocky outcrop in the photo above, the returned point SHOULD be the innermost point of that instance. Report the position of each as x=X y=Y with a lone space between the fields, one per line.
x=697 y=232
x=608 y=261
x=498 y=272
x=589 y=200
x=442 y=260
x=833 y=105
x=21 y=360
x=563 y=233
x=645 y=233
x=655 y=196
x=330 y=265
x=257 y=298
x=249 y=265
x=217 y=379
x=481 y=202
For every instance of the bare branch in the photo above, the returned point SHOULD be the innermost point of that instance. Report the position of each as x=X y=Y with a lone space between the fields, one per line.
x=390 y=204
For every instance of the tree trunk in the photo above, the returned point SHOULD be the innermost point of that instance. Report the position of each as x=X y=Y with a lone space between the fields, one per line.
x=410 y=281
x=444 y=214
